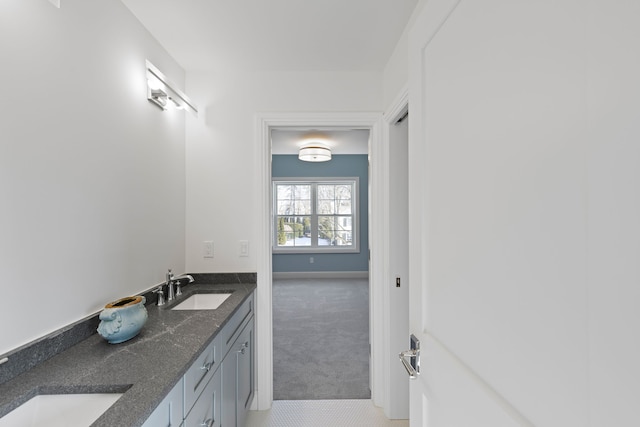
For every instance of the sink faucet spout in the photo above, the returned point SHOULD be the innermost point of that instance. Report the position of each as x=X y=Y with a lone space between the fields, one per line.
x=172 y=284
x=184 y=276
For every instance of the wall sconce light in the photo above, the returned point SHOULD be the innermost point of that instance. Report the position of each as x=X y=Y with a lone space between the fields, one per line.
x=314 y=153
x=164 y=93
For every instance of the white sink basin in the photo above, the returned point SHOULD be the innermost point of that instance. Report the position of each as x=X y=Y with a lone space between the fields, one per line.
x=60 y=410
x=202 y=302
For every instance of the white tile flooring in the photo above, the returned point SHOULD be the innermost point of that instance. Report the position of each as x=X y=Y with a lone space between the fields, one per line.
x=322 y=413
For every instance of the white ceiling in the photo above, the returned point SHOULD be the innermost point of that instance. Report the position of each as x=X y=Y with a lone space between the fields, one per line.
x=294 y=35
x=349 y=141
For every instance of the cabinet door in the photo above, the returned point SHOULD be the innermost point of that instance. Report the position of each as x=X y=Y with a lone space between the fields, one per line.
x=244 y=374
x=206 y=410
x=169 y=411
x=228 y=407
x=237 y=379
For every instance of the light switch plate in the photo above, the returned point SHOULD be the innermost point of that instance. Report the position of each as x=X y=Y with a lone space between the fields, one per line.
x=207 y=249
x=244 y=248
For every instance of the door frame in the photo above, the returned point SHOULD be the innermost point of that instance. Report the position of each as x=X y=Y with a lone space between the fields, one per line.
x=392 y=396
x=264 y=123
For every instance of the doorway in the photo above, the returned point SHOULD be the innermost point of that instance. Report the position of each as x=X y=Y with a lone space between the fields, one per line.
x=320 y=287
x=265 y=123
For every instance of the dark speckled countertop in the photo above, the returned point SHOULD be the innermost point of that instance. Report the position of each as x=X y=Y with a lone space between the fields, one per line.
x=144 y=368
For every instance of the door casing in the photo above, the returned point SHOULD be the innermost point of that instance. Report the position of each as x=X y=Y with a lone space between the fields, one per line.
x=264 y=123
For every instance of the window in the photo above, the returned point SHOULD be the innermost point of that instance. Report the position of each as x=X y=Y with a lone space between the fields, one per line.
x=315 y=215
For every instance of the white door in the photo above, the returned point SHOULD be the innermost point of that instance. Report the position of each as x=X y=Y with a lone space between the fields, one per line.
x=496 y=221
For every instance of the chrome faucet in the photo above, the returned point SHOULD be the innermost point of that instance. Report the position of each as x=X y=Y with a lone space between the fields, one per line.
x=177 y=280
x=170 y=280
x=160 y=293
x=169 y=284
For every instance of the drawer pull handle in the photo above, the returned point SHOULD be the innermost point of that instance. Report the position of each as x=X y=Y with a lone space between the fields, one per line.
x=207 y=423
x=206 y=368
x=243 y=347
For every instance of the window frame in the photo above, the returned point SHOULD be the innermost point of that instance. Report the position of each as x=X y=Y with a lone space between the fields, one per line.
x=353 y=181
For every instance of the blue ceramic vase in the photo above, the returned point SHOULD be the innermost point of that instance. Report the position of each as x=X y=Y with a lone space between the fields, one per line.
x=123 y=319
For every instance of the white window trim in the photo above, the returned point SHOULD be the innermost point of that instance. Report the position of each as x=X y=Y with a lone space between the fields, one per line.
x=317 y=249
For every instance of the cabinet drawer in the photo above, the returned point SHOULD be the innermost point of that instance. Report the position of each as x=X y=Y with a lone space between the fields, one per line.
x=206 y=411
x=202 y=370
x=235 y=325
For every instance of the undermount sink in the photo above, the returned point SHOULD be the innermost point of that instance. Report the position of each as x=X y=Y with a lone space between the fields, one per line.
x=60 y=410
x=202 y=302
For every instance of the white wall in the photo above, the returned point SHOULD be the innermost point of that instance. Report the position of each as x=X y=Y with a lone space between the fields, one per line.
x=395 y=75
x=221 y=183
x=396 y=72
x=613 y=209
x=92 y=176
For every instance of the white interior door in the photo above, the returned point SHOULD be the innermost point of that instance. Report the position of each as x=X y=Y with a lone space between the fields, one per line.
x=497 y=219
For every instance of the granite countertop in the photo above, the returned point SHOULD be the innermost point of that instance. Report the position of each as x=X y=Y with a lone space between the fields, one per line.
x=144 y=368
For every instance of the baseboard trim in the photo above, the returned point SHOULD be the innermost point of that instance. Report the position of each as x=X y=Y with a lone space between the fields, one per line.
x=321 y=275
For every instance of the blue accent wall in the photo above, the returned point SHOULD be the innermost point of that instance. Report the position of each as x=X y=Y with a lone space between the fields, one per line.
x=288 y=166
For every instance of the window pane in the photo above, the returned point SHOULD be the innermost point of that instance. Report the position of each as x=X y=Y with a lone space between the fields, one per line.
x=302 y=192
x=343 y=199
x=326 y=191
x=294 y=231
x=343 y=238
x=326 y=227
x=326 y=207
x=344 y=206
x=303 y=207
x=344 y=223
x=285 y=207
x=283 y=192
x=343 y=191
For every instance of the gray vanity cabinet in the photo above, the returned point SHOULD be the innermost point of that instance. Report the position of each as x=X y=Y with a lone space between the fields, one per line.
x=217 y=389
x=206 y=410
x=200 y=374
x=244 y=373
x=238 y=377
x=170 y=411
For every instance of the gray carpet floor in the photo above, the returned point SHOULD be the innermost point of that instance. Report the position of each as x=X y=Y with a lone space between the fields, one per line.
x=321 y=339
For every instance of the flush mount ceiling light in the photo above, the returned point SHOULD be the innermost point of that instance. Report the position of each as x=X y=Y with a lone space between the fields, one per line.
x=314 y=153
x=162 y=92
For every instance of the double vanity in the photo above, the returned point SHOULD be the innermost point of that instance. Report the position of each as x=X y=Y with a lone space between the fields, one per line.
x=192 y=364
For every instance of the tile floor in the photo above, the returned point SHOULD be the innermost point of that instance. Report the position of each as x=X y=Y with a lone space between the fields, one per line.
x=322 y=413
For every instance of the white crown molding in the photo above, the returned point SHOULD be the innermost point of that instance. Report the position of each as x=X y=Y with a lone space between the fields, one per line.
x=399 y=106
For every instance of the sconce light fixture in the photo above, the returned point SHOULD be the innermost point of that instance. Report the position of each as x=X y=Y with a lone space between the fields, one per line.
x=314 y=153
x=164 y=93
